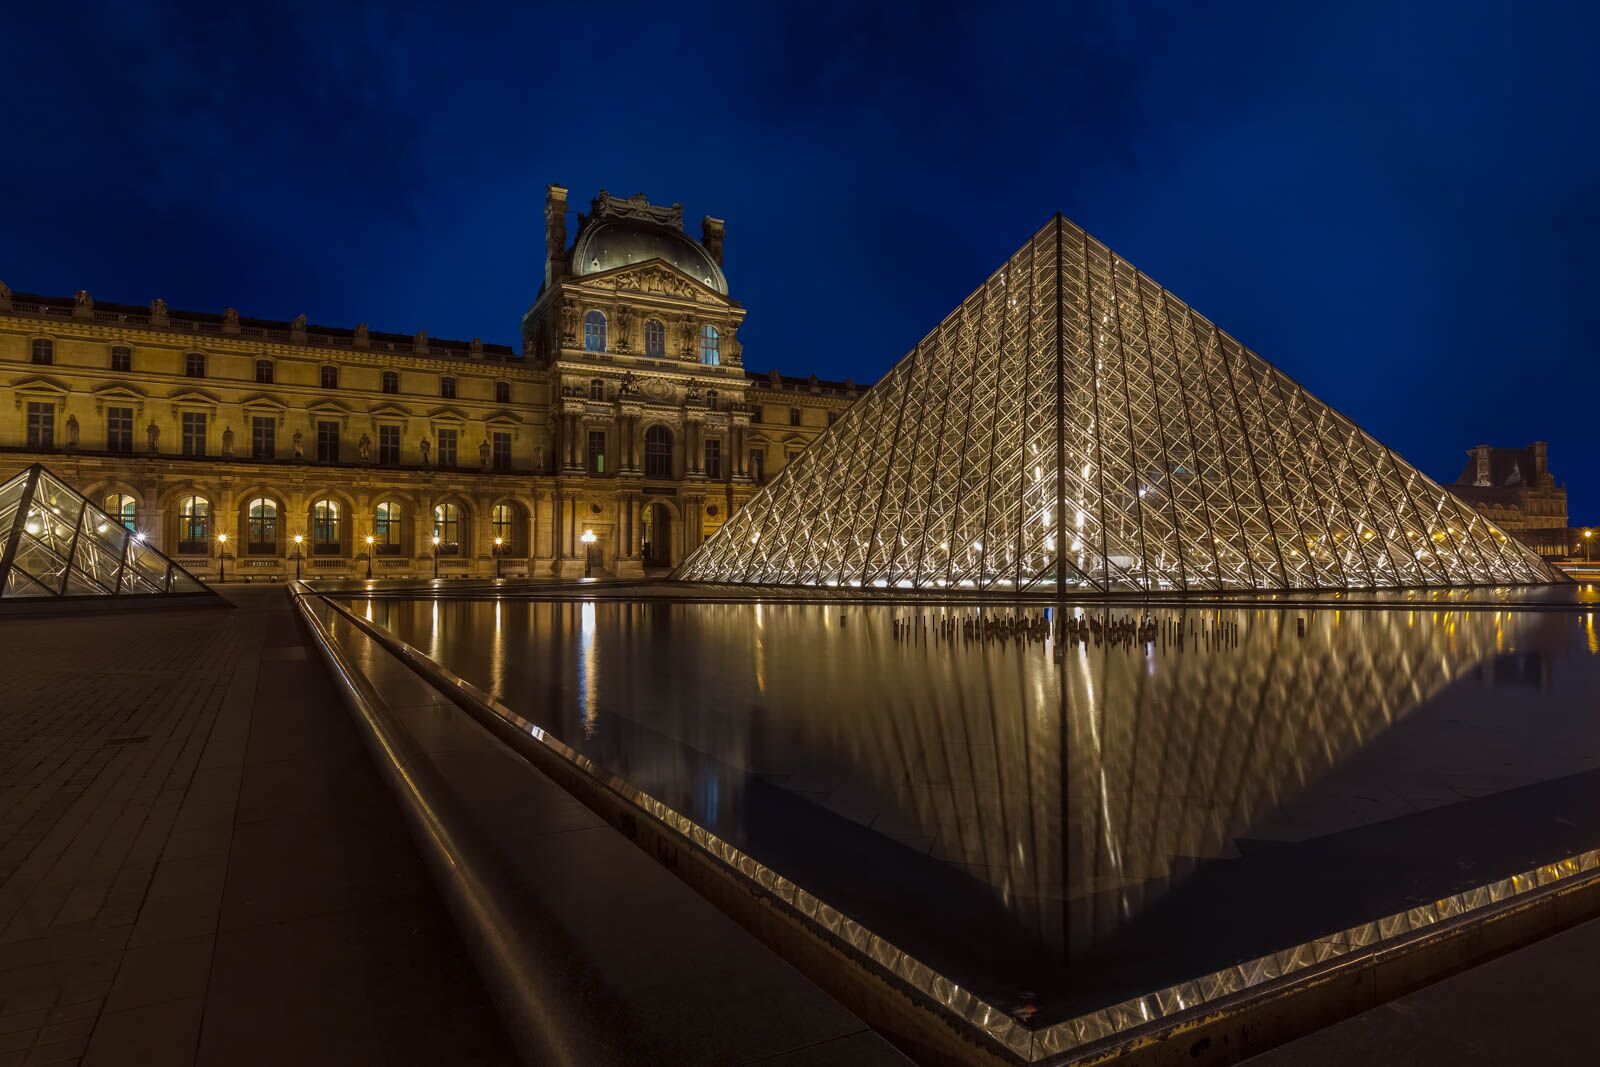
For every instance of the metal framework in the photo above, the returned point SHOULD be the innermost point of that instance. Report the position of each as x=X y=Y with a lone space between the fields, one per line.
x=1073 y=426
x=54 y=543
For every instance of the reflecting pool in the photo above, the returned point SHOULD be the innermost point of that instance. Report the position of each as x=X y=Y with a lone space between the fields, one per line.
x=1060 y=829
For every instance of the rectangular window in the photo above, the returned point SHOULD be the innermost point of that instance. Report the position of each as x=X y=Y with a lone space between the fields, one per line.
x=758 y=466
x=330 y=377
x=597 y=451
x=264 y=372
x=389 y=446
x=194 y=433
x=794 y=416
x=327 y=442
x=447 y=448
x=500 y=450
x=122 y=360
x=713 y=457
x=194 y=365
x=119 y=429
x=263 y=437
x=41 y=425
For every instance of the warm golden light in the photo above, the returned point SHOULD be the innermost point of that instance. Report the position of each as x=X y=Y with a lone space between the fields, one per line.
x=222 y=537
x=298 y=539
x=370 y=539
x=588 y=537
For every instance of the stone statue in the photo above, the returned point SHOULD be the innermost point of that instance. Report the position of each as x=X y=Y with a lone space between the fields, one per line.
x=692 y=394
x=476 y=347
x=364 y=447
x=230 y=317
x=361 y=331
x=158 y=311
x=483 y=453
x=625 y=320
x=538 y=456
x=298 y=325
x=420 y=341
x=774 y=377
x=812 y=381
x=627 y=386
x=5 y=297
x=424 y=446
x=569 y=323
x=72 y=431
x=152 y=433
x=299 y=445
x=83 y=300
x=686 y=333
x=227 y=441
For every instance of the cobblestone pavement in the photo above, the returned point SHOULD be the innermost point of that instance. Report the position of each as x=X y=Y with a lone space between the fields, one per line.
x=198 y=863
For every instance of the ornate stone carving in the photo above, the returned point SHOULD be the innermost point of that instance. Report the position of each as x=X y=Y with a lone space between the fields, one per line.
x=152 y=434
x=483 y=453
x=72 y=431
x=299 y=445
x=82 y=304
x=227 y=441
x=656 y=389
x=774 y=377
x=569 y=323
x=732 y=348
x=5 y=297
x=627 y=386
x=361 y=340
x=686 y=338
x=297 y=330
x=637 y=206
x=364 y=448
x=626 y=318
x=424 y=445
x=419 y=342
x=476 y=347
x=230 y=319
x=158 y=312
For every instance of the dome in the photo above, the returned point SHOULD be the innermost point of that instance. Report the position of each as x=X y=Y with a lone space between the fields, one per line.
x=612 y=243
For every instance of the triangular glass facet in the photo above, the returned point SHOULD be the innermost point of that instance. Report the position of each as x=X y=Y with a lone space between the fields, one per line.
x=1074 y=426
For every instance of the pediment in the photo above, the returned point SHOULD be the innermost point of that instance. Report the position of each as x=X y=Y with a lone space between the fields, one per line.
x=40 y=384
x=447 y=414
x=389 y=411
x=329 y=407
x=655 y=277
x=118 y=391
x=263 y=400
x=193 y=396
x=503 y=416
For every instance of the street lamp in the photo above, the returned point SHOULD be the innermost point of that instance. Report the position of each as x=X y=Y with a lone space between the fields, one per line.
x=499 y=543
x=299 y=553
x=1587 y=534
x=436 y=557
x=588 y=540
x=222 y=557
x=370 y=541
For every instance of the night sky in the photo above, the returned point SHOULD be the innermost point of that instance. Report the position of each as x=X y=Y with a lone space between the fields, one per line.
x=1397 y=207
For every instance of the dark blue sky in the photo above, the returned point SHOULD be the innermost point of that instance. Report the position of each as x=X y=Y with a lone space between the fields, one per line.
x=1397 y=204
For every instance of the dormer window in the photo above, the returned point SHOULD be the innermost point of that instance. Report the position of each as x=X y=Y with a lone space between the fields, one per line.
x=655 y=338
x=710 y=342
x=594 y=332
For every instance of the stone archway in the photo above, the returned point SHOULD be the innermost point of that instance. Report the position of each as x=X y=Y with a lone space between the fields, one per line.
x=658 y=530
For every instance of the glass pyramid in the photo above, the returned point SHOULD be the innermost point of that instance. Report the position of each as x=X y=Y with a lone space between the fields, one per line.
x=1073 y=426
x=54 y=543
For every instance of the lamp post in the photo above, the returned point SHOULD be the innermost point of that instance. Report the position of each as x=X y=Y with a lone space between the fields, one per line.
x=1587 y=536
x=299 y=553
x=588 y=540
x=222 y=558
x=499 y=543
x=436 y=558
x=370 y=541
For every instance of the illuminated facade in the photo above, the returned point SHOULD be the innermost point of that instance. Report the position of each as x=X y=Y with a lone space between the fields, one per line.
x=1073 y=426
x=289 y=447
x=1514 y=489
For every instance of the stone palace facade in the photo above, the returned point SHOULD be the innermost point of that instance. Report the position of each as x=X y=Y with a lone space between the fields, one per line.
x=624 y=431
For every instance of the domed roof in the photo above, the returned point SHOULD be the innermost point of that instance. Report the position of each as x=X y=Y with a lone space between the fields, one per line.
x=616 y=242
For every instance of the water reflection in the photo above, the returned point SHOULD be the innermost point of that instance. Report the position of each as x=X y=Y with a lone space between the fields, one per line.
x=1061 y=831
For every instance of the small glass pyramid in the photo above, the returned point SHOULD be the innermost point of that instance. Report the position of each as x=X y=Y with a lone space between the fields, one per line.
x=54 y=543
x=1073 y=426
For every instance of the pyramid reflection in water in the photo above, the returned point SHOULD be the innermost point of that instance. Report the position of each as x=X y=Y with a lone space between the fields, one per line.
x=54 y=543
x=1071 y=397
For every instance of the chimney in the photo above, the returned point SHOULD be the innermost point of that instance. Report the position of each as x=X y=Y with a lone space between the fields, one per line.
x=1481 y=455
x=555 y=233
x=1541 y=461
x=711 y=237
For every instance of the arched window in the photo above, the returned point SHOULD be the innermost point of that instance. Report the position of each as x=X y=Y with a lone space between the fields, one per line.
x=655 y=338
x=330 y=377
x=503 y=523
x=326 y=528
x=194 y=365
x=391 y=382
x=710 y=341
x=121 y=506
x=261 y=527
x=658 y=452
x=447 y=530
x=386 y=529
x=594 y=332
x=194 y=524
x=264 y=372
x=44 y=352
x=447 y=387
x=597 y=389
x=502 y=392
